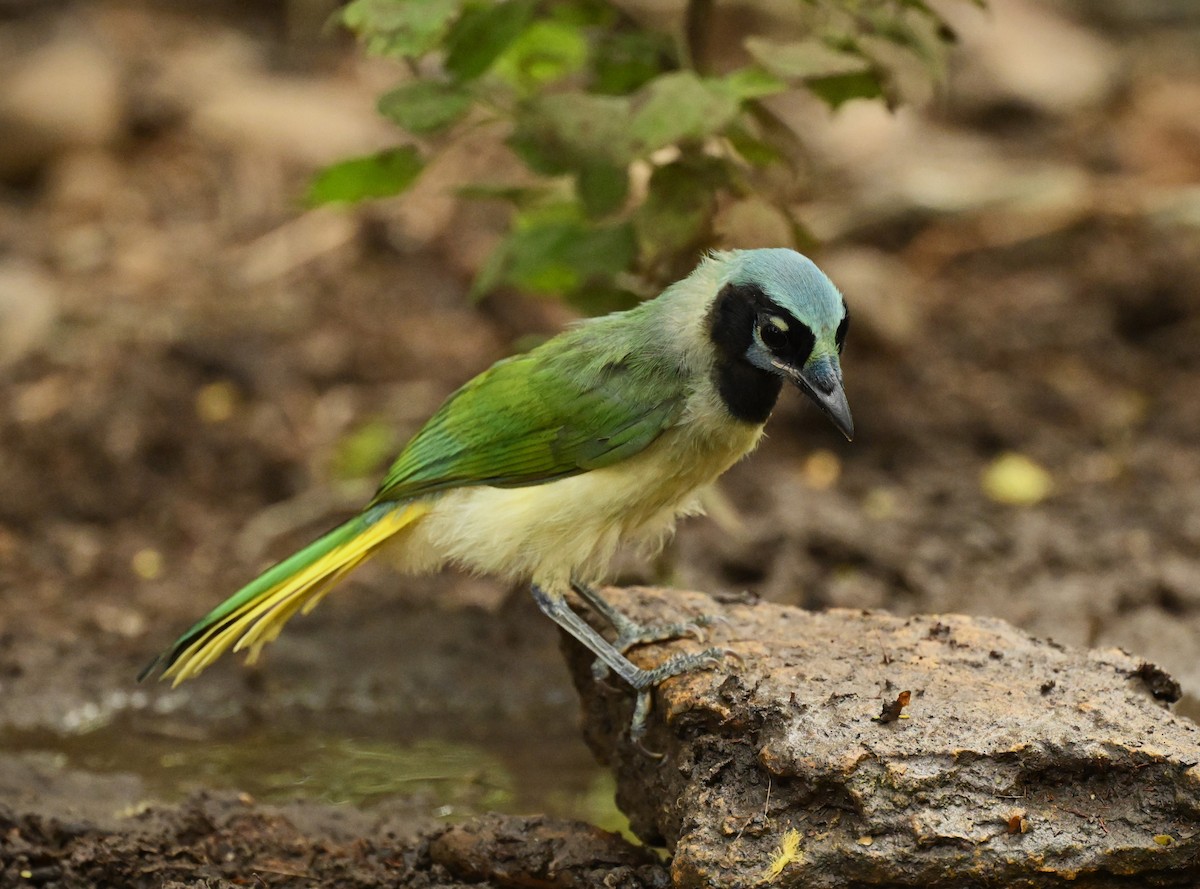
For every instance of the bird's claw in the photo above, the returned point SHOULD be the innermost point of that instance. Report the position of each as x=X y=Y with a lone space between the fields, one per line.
x=631 y=634
x=695 y=629
x=641 y=714
x=679 y=664
x=647 y=635
x=685 y=663
x=730 y=653
x=707 y=620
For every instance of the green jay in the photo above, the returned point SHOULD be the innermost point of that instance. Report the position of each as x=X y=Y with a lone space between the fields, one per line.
x=538 y=468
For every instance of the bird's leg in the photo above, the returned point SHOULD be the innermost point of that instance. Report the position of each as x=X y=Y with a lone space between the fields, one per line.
x=556 y=608
x=554 y=605
x=630 y=633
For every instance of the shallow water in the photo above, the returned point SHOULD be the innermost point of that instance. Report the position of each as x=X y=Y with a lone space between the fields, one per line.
x=515 y=771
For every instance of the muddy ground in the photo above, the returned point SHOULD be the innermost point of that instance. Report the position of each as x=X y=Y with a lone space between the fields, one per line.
x=196 y=377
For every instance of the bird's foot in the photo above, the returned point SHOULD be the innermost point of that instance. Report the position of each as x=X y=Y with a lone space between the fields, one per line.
x=554 y=605
x=648 y=680
x=631 y=634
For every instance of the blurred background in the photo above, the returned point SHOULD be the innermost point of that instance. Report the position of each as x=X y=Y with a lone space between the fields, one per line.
x=198 y=374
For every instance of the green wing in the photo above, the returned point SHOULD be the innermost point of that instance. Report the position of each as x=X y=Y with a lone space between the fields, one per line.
x=572 y=405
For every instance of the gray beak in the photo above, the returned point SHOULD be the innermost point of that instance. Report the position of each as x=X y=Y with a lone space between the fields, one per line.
x=821 y=380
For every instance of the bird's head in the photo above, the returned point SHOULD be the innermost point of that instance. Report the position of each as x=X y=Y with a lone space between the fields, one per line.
x=778 y=317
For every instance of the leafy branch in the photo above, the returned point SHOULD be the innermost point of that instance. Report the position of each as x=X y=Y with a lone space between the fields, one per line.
x=634 y=136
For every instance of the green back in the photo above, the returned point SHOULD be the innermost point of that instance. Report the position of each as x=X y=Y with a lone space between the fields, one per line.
x=588 y=398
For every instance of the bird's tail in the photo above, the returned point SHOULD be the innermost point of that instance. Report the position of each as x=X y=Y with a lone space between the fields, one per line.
x=255 y=614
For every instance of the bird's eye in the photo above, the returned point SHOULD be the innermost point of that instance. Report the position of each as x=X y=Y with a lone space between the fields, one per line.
x=773 y=333
x=840 y=336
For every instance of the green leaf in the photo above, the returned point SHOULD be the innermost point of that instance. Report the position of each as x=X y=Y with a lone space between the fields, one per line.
x=561 y=258
x=755 y=151
x=804 y=59
x=681 y=106
x=517 y=195
x=585 y=13
x=553 y=254
x=901 y=31
x=600 y=299
x=533 y=259
x=482 y=32
x=602 y=188
x=399 y=28
x=680 y=203
x=922 y=7
x=624 y=62
x=425 y=106
x=775 y=134
x=566 y=132
x=544 y=52
x=753 y=82
x=841 y=88
x=374 y=176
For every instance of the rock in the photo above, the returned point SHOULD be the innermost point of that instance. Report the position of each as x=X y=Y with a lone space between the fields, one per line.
x=853 y=747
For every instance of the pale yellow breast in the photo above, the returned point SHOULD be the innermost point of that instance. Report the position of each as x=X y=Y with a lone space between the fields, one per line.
x=571 y=528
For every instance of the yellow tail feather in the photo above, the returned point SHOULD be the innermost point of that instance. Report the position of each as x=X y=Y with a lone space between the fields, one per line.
x=262 y=618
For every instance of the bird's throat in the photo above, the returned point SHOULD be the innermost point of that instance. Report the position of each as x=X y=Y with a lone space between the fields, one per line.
x=748 y=393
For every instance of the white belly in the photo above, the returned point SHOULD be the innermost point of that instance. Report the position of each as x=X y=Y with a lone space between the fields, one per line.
x=570 y=529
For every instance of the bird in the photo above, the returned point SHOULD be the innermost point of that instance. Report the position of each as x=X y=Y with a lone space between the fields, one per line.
x=542 y=465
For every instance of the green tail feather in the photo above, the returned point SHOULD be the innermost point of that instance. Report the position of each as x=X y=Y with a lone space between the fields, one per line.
x=262 y=584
